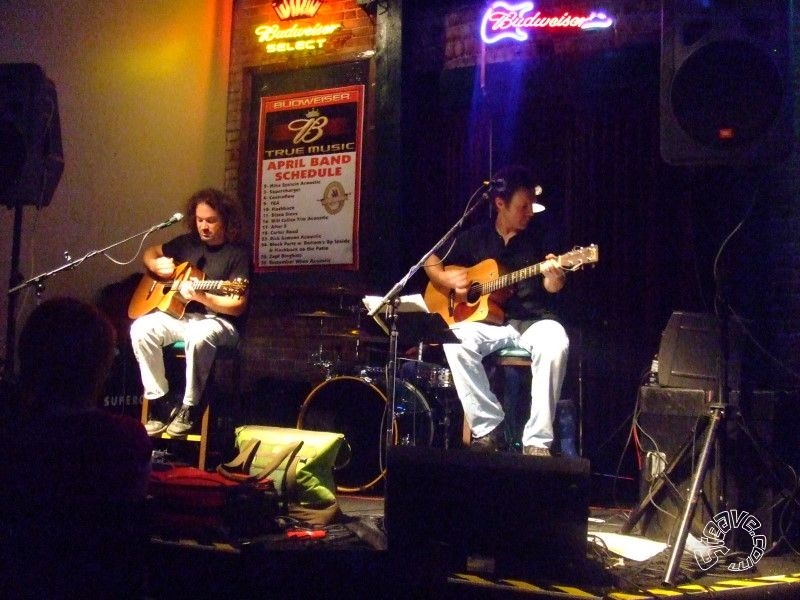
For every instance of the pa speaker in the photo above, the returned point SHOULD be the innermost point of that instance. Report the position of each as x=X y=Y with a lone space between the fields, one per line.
x=501 y=513
x=31 y=156
x=726 y=93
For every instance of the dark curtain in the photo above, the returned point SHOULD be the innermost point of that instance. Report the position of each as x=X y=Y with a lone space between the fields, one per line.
x=594 y=144
x=589 y=127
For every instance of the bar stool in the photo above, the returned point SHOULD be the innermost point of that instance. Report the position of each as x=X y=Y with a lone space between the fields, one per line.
x=224 y=374
x=510 y=369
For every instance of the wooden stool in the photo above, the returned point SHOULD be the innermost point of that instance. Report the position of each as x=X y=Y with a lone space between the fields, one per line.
x=224 y=354
x=201 y=437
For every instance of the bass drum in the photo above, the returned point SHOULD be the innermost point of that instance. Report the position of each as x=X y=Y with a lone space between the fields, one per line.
x=358 y=408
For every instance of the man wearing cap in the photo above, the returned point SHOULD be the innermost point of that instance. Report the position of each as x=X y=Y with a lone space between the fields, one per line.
x=526 y=320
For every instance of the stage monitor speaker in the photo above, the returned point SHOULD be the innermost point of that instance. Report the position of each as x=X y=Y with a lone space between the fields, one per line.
x=31 y=155
x=502 y=513
x=726 y=85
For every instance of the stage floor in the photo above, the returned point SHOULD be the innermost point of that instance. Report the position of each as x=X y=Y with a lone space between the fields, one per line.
x=353 y=561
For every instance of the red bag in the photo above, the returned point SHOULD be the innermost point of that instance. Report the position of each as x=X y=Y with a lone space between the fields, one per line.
x=190 y=487
x=190 y=502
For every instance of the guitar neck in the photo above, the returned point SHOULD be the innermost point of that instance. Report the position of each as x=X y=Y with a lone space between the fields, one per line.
x=204 y=285
x=511 y=278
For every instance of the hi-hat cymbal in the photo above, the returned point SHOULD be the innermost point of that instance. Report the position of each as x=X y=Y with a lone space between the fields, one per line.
x=321 y=314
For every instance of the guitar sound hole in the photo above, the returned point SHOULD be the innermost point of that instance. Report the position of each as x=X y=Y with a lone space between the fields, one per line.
x=474 y=293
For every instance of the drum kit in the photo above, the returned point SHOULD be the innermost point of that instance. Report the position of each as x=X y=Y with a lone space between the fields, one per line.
x=354 y=399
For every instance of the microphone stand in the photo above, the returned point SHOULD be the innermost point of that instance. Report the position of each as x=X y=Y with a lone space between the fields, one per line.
x=38 y=281
x=392 y=300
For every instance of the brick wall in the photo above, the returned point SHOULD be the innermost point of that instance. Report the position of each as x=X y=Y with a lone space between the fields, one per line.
x=279 y=343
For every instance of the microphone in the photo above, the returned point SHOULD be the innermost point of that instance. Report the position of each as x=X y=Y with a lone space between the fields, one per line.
x=171 y=221
x=498 y=185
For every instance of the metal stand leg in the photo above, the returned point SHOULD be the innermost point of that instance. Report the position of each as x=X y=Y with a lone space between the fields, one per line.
x=717 y=414
x=446 y=424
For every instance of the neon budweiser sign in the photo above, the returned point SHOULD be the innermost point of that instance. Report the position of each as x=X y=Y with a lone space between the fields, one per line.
x=503 y=20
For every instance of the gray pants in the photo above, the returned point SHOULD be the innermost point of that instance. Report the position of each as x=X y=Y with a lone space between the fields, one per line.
x=548 y=345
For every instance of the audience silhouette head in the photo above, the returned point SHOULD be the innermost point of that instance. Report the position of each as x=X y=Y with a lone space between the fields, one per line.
x=66 y=349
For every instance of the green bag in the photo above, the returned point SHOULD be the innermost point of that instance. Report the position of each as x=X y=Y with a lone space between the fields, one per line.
x=307 y=476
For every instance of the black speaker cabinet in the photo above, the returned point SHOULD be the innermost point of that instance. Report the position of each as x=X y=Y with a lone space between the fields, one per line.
x=726 y=86
x=31 y=156
x=503 y=513
x=747 y=470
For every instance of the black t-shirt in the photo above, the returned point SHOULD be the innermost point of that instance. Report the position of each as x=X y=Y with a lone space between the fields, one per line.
x=529 y=301
x=72 y=505
x=225 y=263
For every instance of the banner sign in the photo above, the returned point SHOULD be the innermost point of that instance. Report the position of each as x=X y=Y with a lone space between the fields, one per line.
x=309 y=180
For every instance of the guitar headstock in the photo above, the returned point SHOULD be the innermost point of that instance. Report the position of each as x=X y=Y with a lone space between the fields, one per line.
x=237 y=287
x=579 y=257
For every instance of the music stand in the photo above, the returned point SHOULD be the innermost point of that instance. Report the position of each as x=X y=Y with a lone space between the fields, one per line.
x=418 y=325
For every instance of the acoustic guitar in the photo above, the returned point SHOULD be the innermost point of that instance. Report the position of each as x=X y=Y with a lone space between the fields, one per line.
x=489 y=288
x=153 y=293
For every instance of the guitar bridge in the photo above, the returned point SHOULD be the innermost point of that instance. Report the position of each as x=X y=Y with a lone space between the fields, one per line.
x=451 y=303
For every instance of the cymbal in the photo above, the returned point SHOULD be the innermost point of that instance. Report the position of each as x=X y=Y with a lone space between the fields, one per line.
x=345 y=291
x=356 y=335
x=336 y=290
x=321 y=314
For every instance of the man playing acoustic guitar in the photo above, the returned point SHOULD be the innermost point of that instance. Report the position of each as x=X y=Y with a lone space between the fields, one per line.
x=520 y=318
x=209 y=257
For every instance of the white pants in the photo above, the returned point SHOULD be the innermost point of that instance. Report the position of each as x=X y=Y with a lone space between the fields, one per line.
x=548 y=345
x=203 y=334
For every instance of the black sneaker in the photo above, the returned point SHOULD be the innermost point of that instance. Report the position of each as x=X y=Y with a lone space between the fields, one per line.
x=494 y=441
x=183 y=422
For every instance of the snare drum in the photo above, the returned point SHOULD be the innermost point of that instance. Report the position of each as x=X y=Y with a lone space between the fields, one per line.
x=440 y=378
x=427 y=376
x=358 y=408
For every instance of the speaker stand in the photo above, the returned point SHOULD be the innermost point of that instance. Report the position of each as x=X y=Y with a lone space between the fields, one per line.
x=13 y=279
x=716 y=416
x=663 y=478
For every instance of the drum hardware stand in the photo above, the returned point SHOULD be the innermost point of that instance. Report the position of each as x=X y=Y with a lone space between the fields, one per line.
x=446 y=420
x=391 y=300
x=318 y=357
